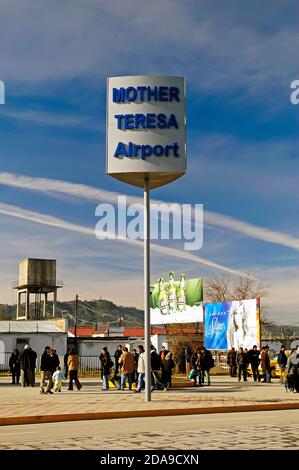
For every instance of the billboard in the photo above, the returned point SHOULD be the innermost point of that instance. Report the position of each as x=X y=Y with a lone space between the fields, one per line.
x=146 y=129
x=176 y=301
x=232 y=324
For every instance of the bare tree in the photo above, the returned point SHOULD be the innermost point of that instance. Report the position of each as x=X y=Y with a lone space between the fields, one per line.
x=225 y=288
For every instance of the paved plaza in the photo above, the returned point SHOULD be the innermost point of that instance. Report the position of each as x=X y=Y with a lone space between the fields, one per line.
x=224 y=391
x=232 y=431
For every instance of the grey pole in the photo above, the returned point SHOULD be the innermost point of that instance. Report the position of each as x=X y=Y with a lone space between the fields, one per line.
x=147 y=320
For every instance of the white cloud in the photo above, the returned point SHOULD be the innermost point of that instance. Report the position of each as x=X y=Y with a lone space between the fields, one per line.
x=216 y=48
x=45 y=219
x=101 y=195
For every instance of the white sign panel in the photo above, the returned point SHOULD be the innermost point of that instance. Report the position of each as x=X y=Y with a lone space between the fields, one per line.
x=146 y=129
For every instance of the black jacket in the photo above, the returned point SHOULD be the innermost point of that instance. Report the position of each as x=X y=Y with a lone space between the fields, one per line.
x=282 y=359
x=14 y=362
x=32 y=357
x=106 y=363
x=155 y=360
x=46 y=362
x=206 y=360
x=253 y=357
x=25 y=359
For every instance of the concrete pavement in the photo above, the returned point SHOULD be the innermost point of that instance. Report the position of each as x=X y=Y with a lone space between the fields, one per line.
x=225 y=394
x=260 y=430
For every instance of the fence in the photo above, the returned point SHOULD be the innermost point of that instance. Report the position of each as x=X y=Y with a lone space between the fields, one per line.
x=90 y=365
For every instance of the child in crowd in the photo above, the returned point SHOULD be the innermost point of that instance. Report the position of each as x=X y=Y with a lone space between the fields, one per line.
x=58 y=378
x=285 y=381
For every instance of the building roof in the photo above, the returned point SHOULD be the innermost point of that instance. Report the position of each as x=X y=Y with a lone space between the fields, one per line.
x=29 y=326
x=128 y=332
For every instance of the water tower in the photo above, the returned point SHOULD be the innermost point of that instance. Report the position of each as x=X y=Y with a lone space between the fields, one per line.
x=37 y=277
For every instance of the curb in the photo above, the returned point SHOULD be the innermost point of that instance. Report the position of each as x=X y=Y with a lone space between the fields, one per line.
x=41 y=419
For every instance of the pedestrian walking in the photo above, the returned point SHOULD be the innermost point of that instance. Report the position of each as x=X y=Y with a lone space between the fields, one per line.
x=126 y=361
x=58 y=379
x=282 y=361
x=14 y=366
x=117 y=355
x=292 y=371
x=73 y=365
x=135 y=373
x=140 y=369
x=232 y=362
x=32 y=361
x=26 y=374
x=106 y=364
x=169 y=365
x=46 y=374
x=163 y=353
x=265 y=364
x=155 y=370
x=65 y=359
x=55 y=361
x=254 y=359
x=242 y=364
x=206 y=364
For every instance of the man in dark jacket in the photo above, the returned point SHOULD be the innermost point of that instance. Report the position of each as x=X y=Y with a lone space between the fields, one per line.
x=26 y=374
x=32 y=358
x=45 y=371
x=54 y=361
x=254 y=359
x=14 y=366
x=162 y=355
x=206 y=363
x=232 y=362
x=242 y=364
x=117 y=355
x=155 y=367
x=282 y=361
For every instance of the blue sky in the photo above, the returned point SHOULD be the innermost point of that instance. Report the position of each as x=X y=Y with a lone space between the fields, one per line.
x=238 y=59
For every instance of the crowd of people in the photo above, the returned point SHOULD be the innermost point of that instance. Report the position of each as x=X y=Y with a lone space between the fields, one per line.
x=260 y=364
x=129 y=368
x=126 y=368
x=201 y=363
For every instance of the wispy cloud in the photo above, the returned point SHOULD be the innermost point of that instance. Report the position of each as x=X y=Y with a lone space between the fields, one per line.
x=51 y=119
x=216 y=48
x=100 y=195
x=44 y=219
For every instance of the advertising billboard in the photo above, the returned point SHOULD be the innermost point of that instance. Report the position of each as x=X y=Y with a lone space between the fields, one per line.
x=177 y=301
x=232 y=324
x=146 y=129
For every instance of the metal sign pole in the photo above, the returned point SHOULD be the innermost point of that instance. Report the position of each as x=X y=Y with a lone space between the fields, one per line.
x=147 y=320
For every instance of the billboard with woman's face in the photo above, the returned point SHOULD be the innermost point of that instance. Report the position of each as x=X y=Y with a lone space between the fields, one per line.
x=232 y=324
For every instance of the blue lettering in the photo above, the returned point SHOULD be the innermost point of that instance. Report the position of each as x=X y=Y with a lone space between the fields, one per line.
x=172 y=122
x=158 y=150
x=121 y=150
x=141 y=90
x=161 y=121
x=163 y=93
x=152 y=92
x=119 y=118
x=151 y=121
x=174 y=93
x=129 y=121
x=131 y=94
x=118 y=95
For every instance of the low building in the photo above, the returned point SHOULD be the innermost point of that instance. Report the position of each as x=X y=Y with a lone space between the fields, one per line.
x=36 y=333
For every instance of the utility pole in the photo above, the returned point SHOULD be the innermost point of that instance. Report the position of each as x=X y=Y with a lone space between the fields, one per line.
x=76 y=313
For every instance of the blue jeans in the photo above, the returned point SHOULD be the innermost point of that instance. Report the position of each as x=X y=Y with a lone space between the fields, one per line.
x=141 y=382
x=206 y=373
x=105 y=382
x=124 y=377
x=267 y=376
